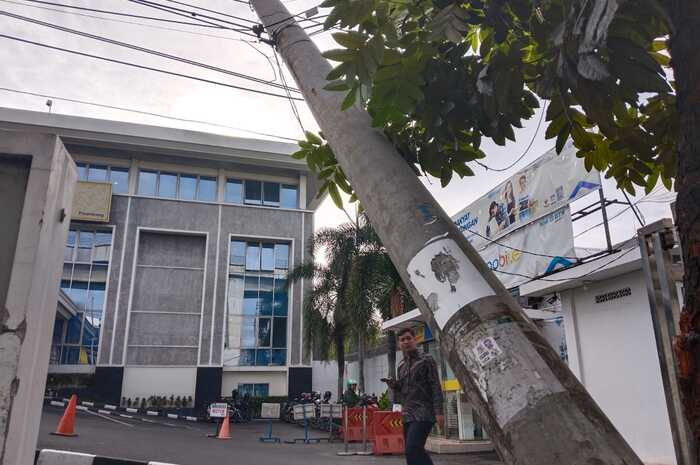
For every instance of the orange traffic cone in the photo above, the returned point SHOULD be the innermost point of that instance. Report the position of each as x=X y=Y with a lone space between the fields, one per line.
x=224 y=430
x=67 y=424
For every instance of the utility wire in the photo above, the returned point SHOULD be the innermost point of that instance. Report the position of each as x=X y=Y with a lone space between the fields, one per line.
x=141 y=112
x=529 y=146
x=537 y=254
x=193 y=15
x=213 y=11
x=146 y=50
x=151 y=26
x=537 y=278
x=128 y=15
x=149 y=68
x=295 y=111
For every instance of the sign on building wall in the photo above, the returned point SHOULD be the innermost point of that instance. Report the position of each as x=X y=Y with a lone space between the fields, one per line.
x=544 y=186
x=92 y=201
x=549 y=239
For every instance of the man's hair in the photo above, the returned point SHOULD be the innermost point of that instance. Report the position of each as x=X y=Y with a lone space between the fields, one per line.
x=406 y=330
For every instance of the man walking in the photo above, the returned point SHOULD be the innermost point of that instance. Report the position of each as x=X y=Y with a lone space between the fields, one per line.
x=421 y=397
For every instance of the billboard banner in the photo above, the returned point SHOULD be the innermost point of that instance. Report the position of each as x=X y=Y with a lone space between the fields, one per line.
x=550 y=235
x=544 y=186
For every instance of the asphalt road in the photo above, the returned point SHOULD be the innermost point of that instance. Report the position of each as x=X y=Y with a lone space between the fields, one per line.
x=184 y=443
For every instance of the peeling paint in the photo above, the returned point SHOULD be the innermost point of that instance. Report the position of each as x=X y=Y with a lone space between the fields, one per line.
x=446 y=278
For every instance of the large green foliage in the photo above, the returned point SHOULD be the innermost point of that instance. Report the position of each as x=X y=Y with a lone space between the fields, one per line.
x=438 y=75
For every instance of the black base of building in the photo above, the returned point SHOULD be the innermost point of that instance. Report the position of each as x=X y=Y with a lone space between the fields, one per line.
x=208 y=387
x=299 y=381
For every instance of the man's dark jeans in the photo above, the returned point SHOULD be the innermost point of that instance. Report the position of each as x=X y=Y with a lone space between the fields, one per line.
x=415 y=434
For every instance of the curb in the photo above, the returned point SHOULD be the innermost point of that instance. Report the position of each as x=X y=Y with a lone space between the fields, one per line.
x=108 y=409
x=64 y=457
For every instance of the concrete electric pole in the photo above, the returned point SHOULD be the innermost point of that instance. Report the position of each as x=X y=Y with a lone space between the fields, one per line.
x=534 y=409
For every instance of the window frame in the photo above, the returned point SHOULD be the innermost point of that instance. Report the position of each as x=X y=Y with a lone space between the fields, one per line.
x=86 y=165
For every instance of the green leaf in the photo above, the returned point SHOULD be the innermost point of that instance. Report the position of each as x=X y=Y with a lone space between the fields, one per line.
x=349 y=98
x=651 y=182
x=350 y=39
x=556 y=126
x=300 y=155
x=337 y=86
x=337 y=72
x=335 y=195
x=562 y=137
x=340 y=54
x=313 y=138
x=668 y=182
x=581 y=138
x=462 y=169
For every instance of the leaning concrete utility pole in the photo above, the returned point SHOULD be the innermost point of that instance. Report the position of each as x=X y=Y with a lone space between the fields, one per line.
x=535 y=410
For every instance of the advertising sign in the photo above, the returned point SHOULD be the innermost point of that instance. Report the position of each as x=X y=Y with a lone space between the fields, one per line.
x=269 y=411
x=331 y=411
x=544 y=186
x=549 y=240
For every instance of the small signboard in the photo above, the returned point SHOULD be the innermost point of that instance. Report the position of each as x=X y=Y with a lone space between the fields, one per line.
x=304 y=411
x=218 y=410
x=396 y=408
x=298 y=412
x=331 y=411
x=270 y=411
x=92 y=201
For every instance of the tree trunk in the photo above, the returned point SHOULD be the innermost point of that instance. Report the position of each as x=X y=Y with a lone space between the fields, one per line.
x=340 y=360
x=685 y=59
x=391 y=356
x=534 y=409
x=361 y=362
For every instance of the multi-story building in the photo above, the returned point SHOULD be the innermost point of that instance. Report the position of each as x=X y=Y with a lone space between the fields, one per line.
x=183 y=290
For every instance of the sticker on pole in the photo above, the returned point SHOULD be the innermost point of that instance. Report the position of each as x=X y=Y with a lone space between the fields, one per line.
x=446 y=278
x=218 y=410
x=486 y=350
x=269 y=411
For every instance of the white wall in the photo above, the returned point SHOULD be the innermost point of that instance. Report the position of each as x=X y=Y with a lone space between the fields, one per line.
x=159 y=381
x=613 y=352
x=276 y=379
x=324 y=377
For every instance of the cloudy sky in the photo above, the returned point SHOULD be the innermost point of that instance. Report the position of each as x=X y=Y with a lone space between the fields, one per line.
x=30 y=68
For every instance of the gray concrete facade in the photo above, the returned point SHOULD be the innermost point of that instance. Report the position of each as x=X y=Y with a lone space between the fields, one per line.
x=36 y=187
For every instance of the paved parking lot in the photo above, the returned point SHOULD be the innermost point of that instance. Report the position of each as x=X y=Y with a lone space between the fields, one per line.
x=187 y=443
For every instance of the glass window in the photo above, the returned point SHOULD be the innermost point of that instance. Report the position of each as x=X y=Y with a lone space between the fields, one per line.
x=250 y=296
x=279 y=357
x=85 y=243
x=280 y=302
x=262 y=357
x=103 y=238
x=120 y=180
x=97 y=173
x=238 y=255
x=268 y=257
x=70 y=246
x=282 y=256
x=247 y=358
x=279 y=333
x=207 y=189
x=70 y=355
x=261 y=390
x=234 y=191
x=96 y=297
x=73 y=331
x=167 y=185
x=188 y=186
x=264 y=332
x=147 y=183
x=265 y=297
x=248 y=332
x=252 y=257
x=288 y=197
x=78 y=294
x=82 y=171
x=253 y=192
x=271 y=191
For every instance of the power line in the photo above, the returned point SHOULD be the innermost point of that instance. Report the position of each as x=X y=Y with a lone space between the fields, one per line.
x=295 y=111
x=213 y=11
x=536 y=278
x=194 y=15
x=108 y=12
x=529 y=146
x=537 y=254
x=145 y=50
x=151 y=26
x=141 y=112
x=149 y=68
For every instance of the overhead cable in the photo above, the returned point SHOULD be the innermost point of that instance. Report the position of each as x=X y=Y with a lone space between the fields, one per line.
x=146 y=50
x=149 y=68
x=147 y=113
